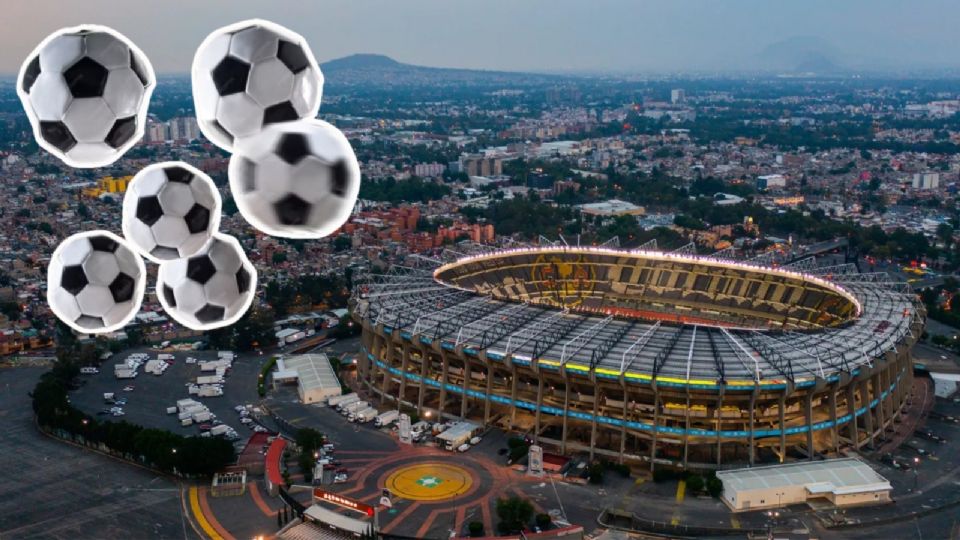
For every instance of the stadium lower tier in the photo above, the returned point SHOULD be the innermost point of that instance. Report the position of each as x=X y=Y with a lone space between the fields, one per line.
x=661 y=423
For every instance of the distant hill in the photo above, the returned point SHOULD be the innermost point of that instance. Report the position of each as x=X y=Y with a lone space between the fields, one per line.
x=377 y=69
x=800 y=54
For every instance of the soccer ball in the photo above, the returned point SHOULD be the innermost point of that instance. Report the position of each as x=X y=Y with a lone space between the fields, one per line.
x=95 y=282
x=170 y=211
x=211 y=289
x=296 y=180
x=252 y=74
x=86 y=91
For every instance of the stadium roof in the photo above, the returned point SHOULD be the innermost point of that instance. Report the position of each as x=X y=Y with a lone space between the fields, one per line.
x=838 y=476
x=412 y=302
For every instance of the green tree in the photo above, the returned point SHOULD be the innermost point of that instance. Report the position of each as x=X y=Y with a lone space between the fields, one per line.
x=695 y=483
x=543 y=521
x=476 y=529
x=514 y=513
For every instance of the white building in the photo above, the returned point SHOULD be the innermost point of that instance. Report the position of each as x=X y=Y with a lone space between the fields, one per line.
x=677 y=95
x=926 y=180
x=769 y=181
x=313 y=373
x=842 y=482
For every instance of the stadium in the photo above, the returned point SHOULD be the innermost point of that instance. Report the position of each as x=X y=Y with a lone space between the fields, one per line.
x=669 y=358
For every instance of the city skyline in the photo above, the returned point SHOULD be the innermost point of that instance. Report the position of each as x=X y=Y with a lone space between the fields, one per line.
x=606 y=36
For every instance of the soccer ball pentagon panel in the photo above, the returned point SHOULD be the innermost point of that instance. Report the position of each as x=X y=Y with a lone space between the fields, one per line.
x=86 y=91
x=211 y=289
x=95 y=282
x=170 y=211
x=296 y=179
x=252 y=74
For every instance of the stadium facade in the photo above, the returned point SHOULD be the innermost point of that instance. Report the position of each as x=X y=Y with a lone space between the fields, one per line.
x=670 y=358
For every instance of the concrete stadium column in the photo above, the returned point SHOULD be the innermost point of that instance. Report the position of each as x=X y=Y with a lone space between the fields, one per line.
x=593 y=423
x=877 y=391
x=656 y=420
x=808 y=413
x=686 y=431
x=467 y=383
x=404 y=364
x=444 y=373
x=852 y=411
x=623 y=426
x=513 y=394
x=781 y=405
x=424 y=362
x=752 y=441
x=719 y=422
x=536 y=425
x=835 y=429
x=566 y=413
x=489 y=385
x=868 y=414
x=387 y=379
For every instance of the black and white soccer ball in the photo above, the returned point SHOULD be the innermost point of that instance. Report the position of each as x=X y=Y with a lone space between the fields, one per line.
x=95 y=282
x=252 y=74
x=296 y=179
x=170 y=211
x=211 y=289
x=86 y=90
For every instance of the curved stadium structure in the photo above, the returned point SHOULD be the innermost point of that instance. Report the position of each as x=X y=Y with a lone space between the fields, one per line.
x=671 y=358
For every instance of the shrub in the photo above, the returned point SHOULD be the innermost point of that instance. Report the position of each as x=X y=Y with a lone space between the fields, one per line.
x=714 y=487
x=542 y=521
x=476 y=529
x=595 y=474
x=695 y=483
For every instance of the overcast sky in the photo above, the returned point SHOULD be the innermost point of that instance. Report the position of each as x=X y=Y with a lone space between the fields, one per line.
x=541 y=35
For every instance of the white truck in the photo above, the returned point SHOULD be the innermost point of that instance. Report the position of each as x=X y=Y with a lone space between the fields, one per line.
x=386 y=418
x=337 y=400
x=364 y=416
x=209 y=379
x=210 y=391
x=125 y=373
x=203 y=416
x=356 y=406
x=347 y=402
x=222 y=429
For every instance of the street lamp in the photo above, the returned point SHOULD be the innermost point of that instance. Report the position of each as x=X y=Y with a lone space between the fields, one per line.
x=173 y=450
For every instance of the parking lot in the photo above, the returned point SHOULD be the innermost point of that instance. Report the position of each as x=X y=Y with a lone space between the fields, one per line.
x=150 y=395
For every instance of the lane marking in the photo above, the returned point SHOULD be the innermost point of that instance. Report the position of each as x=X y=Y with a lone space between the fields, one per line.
x=201 y=518
x=681 y=490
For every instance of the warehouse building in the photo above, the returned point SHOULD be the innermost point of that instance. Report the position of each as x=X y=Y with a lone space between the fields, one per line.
x=841 y=482
x=313 y=374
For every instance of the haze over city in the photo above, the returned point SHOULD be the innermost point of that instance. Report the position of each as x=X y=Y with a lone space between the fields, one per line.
x=660 y=36
x=480 y=270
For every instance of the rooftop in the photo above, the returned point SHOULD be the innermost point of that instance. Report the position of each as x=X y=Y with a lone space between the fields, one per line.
x=313 y=370
x=844 y=475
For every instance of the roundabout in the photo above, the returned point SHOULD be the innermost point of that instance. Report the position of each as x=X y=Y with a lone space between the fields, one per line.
x=429 y=482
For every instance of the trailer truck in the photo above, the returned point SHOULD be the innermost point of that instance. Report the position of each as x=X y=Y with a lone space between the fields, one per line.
x=356 y=406
x=365 y=415
x=340 y=402
x=386 y=418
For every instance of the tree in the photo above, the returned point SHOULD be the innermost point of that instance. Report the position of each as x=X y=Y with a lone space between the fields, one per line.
x=543 y=521
x=714 y=486
x=342 y=242
x=514 y=514
x=595 y=474
x=476 y=529
x=695 y=483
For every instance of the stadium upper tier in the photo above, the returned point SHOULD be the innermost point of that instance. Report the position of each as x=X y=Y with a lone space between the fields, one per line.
x=682 y=319
x=654 y=286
